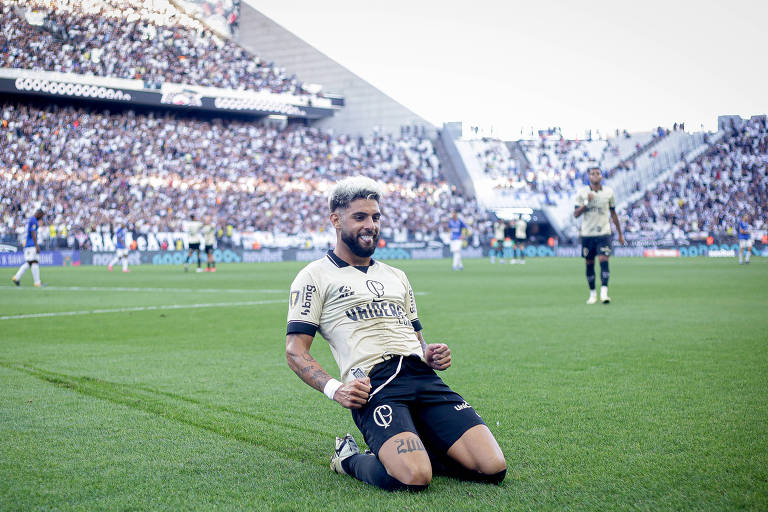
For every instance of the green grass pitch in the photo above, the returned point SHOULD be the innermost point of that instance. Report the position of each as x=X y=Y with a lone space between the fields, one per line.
x=160 y=390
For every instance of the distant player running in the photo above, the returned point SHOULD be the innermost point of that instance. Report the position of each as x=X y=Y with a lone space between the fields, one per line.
x=209 y=237
x=598 y=205
x=31 y=251
x=412 y=421
x=458 y=229
x=745 y=240
x=122 y=251
x=193 y=228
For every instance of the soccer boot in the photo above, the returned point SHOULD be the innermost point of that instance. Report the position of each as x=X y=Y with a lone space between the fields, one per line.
x=109 y=267
x=15 y=281
x=592 y=299
x=604 y=298
x=345 y=448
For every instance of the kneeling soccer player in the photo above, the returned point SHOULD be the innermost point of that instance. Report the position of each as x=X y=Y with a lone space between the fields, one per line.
x=412 y=421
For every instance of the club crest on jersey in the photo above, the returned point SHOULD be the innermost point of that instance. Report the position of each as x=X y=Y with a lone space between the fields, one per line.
x=345 y=291
x=376 y=288
x=382 y=415
x=295 y=294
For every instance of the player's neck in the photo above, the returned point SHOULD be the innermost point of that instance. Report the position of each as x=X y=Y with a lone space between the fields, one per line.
x=596 y=188
x=345 y=254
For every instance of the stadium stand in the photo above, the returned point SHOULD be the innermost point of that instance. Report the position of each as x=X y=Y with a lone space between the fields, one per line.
x=149 y=41
x=92 y=167
x=708 y=195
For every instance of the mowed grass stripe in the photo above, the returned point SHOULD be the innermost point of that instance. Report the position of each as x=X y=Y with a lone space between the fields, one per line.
x=263 y=430
x=142 y=308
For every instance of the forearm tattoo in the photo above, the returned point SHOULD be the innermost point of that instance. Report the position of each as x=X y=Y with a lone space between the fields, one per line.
x=310 y=371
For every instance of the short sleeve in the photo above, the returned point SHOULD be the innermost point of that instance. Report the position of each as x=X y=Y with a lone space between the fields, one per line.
x=305 y=305
x=410 y=305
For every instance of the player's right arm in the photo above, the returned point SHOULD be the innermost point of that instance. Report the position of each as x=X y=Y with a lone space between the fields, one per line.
x=352 y=395
x=582 y=200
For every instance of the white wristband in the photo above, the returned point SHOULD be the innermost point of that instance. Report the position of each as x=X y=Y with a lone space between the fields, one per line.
x=331 y=387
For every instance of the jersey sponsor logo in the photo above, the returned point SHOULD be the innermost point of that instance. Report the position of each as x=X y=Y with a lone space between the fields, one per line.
x=376 y=288
x=345 y=291
x=382 y=415
x=309 y=291
x=377 y=309
x=295 y=294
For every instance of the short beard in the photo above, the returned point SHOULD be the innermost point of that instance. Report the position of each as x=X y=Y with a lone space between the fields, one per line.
x=361 y=252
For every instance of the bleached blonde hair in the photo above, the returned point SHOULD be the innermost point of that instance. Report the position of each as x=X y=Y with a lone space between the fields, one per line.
x=351 y=189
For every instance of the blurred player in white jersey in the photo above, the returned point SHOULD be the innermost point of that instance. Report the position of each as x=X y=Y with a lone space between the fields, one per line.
x=598 y=205
x=209 y=238
x=193 y=228
x=31 y=251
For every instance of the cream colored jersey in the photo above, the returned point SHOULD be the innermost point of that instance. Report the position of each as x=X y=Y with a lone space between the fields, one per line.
x=193 y=228
x=520 y=229
x=209 y=234
x=596 y=220
x=364 y=315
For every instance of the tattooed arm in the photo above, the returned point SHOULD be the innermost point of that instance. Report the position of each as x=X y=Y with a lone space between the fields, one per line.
x=352 y=395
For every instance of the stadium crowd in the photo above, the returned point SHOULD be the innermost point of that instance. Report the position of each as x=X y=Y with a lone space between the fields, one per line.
x=94 y=168
x=709 y=195
x=134 y=39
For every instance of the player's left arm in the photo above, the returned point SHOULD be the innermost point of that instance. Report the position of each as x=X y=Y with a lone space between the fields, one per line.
x=615 y=219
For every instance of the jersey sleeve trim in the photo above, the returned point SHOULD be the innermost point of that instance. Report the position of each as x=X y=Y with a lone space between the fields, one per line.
x=297 y=327
x=416 y=324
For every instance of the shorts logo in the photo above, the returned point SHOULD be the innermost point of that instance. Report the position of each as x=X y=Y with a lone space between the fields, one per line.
x=382 y=415
x=376 y=288
x=463 y=406
x=584 y=252
x=294 y=298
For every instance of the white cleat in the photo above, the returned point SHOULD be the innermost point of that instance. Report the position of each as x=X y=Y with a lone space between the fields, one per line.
x=345 y=448
x=604 y=298
x=592 y=299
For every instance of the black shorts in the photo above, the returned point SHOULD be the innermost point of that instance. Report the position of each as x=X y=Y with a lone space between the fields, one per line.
x=208 y=249
x=415 y=400
x=592 y=246
x=194 y=246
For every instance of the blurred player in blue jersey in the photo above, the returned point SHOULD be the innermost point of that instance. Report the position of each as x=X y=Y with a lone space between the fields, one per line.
x=122 y=250
x=745 y=240
x=31 y=251
x=457 y=228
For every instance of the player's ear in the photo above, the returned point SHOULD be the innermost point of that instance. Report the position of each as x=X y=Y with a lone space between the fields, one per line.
x=335 y=220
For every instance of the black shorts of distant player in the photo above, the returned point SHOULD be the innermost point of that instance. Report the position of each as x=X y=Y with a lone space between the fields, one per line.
x=209 y=249
x=592 y=246
x=415 y=400
x=194 y=246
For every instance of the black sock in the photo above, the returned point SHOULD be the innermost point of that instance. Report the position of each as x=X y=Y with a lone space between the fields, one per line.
x=198 y=260
x=604 y=273
x=369 y=469
x=591 y=275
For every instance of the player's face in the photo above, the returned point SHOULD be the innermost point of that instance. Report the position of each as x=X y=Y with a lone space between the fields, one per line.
x=360 y=224
x=595 y=176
